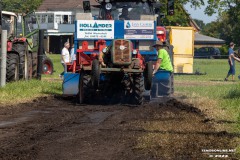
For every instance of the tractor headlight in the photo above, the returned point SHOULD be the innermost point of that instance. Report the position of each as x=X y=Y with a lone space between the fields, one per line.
x=160 y=32
x=108 y=6
x=134 y=51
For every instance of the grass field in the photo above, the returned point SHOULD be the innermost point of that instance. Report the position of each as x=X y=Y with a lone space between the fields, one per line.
x=211 y=87
x=23 y=91
x=219 y=99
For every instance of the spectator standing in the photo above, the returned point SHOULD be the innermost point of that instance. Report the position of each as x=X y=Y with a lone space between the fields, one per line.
x=65 y=57
x=231 y=62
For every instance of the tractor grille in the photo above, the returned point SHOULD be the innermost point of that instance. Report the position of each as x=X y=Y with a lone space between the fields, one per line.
x=121 y=54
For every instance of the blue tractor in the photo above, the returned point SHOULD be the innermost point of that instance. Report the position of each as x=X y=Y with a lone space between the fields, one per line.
x=114 y=53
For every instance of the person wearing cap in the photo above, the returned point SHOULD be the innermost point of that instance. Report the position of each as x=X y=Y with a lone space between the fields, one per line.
x=231 y=61
x=163 y=59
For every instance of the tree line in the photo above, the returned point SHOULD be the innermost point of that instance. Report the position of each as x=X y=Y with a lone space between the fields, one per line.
x=225 y=27
x=20 y=6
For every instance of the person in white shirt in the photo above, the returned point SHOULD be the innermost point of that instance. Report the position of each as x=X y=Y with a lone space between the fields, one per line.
x=73 y=55
x=65 y=57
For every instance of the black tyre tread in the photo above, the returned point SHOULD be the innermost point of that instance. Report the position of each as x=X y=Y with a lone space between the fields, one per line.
x=84 y=82
x=95 y=73
x=148 y=75
x=138 y=88
x=49 y=61
x=21 y=49
x=30 y=68
x=80 y=95
x=86 y=86
x=27 y=74
x=34 y=65
x=12 y=64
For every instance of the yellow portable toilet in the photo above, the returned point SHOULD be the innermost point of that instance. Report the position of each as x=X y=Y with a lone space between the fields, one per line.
x=182 y=39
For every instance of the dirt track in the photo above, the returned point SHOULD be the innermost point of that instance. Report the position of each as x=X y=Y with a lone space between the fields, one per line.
x=56 y=128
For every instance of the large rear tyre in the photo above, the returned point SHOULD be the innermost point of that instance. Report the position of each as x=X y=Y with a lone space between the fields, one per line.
x=138 y=88
x=148 y=75
x=22 y=49
x=12 y=67
x=34 y=65
x=30 y=68
x=95 y=73
x=47 y=66
x=83 y=88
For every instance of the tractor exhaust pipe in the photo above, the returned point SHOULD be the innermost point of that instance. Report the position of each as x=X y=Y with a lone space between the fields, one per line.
x=40 y=54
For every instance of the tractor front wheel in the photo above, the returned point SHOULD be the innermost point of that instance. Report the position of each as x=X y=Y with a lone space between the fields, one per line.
x=47 y=66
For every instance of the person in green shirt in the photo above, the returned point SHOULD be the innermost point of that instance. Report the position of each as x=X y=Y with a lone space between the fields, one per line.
x=163 y=59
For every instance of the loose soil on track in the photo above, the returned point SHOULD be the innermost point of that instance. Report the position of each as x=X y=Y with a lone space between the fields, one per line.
x=56 y=128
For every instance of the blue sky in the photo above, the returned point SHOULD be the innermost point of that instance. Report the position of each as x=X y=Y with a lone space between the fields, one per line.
x=199 y=14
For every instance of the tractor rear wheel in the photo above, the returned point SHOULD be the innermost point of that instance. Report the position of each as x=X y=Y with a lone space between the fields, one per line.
x=148 y=75
x=47 y=65
x=138 y=88
x=30 y=68
x=83 y=88
x=95 y=73
x=34 y=65
x=12 y=67
x=22 y=49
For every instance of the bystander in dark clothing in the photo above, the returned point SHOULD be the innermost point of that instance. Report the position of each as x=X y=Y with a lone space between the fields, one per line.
x=124 y=15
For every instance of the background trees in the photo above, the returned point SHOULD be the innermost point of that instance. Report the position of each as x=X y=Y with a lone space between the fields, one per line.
x=20 y=6
x=226 y=27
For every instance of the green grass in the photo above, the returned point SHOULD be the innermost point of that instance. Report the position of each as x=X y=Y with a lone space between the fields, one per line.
x=212 y=86
x=210 y=92
x=215 y=69
x=23 y=91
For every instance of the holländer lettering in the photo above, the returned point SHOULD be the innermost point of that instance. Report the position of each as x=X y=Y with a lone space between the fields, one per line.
x=95 y=25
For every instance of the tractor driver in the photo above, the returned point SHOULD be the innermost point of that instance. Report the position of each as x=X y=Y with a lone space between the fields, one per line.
x=101 y=57
x=124 y=15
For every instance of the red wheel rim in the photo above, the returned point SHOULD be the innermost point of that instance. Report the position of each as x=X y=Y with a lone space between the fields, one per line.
x=47 y=68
